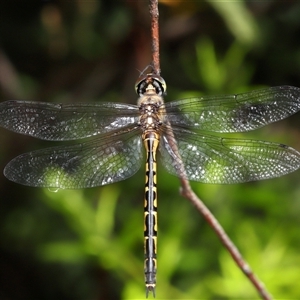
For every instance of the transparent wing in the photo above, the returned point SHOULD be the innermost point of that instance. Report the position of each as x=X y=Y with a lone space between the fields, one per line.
x=212 y=159
x=235 y=113
x=60 y=122
x=103 y=160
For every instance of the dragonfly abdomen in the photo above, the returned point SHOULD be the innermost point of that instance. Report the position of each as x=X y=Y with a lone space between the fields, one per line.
x=151 y=140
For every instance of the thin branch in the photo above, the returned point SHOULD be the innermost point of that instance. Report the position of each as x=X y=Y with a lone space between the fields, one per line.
x=154 y=14
x=188 y=193
x=186 y=189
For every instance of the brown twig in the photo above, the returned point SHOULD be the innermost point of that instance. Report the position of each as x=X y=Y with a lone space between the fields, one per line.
x=186 y=189
x=154 y=14
x=188 y=193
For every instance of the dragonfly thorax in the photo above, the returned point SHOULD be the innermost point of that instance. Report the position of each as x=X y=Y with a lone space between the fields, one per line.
x=150 y=104
x=150 y=118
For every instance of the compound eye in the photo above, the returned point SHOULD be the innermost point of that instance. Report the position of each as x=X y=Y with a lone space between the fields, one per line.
x=160 y=85
x=140 y=85
x=155 y=80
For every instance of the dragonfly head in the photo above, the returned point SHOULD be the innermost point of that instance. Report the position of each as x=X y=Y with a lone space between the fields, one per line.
x=150 y=81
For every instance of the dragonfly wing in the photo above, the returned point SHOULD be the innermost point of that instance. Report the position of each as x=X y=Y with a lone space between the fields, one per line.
x=212 y=159
x=101 y=161
x=235 y=113
x=60 y=122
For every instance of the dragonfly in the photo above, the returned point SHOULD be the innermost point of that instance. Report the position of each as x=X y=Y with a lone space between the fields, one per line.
x=115 y=138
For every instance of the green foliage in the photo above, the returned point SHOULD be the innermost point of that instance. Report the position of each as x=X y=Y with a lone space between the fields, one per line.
x=238 y=20
x=222 y=76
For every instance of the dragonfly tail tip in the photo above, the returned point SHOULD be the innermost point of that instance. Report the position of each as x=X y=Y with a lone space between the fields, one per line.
x=150 y=289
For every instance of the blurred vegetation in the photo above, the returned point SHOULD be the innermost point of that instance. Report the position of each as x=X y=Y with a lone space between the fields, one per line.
x=87 y=244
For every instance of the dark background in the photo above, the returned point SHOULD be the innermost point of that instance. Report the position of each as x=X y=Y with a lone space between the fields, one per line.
x=87 y=244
